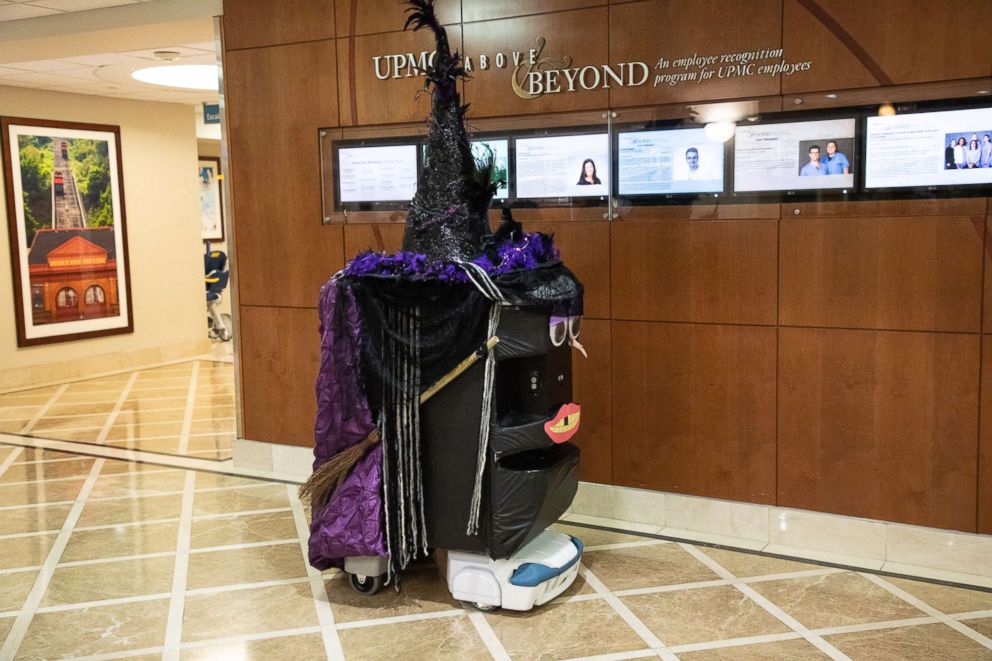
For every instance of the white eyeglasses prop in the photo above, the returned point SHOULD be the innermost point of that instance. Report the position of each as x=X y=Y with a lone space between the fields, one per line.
x=566 y=328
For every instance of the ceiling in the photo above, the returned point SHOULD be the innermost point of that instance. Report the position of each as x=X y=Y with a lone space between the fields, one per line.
x=14 y=10
x=72 y=53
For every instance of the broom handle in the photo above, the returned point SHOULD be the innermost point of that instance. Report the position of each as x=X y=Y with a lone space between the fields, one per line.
x=458 y=369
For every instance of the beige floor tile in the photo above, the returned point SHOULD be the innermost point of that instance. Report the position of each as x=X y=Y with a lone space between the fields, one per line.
x=564 y=630
x=47 y=426
x=744 y=565
x=442 y=639
x=110 y=580
x=257 y=610
x=783 y=650
x=115 y=467
x=101 y=630
x=5 y=624
x=251 y=565
x=935 y=642
x=14 y=589
x=123 y=540
x=210 y=412
x=32 y=519
x=42 y=471
x=143 y=404
x=25 y=551
x=646 y=566
x=14 y=426
x=943 y=597
x=213 y=426
x=594 y=537
x=423 y=590
x=206 y=480
x=835 y=600
x=696 y=616
x=98 y=513
x=88 y=397
x=39 y=492
x=85 y=436
x=37 y=454
x=160 y=445
x=285 y=648
x=152 y=417
x=982 y=626
x=81 y=409
x=243 y=529
x=212 y=442
x=140 y=430
x=142 y=484
x=141 y=393
x=18 y=412
x=239 y=500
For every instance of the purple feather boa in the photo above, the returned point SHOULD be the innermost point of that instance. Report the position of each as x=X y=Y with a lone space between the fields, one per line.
x=528 y=252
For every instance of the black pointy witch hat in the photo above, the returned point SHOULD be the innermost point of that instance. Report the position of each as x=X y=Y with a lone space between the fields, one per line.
x=447 y=218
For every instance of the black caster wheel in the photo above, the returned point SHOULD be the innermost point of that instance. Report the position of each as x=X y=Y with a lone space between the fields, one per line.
x=365 y=585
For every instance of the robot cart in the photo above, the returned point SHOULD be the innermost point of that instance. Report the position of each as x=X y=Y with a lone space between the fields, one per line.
x=530 y=480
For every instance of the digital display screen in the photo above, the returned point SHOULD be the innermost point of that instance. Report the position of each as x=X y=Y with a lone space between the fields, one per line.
x=500 y=150
x=947 y=148
x=377 y=174
x=563 y=166
x=816 y=155
x=669 y=162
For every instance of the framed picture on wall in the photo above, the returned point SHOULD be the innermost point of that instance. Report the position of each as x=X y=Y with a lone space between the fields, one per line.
x=211 y=208
x=68 y=237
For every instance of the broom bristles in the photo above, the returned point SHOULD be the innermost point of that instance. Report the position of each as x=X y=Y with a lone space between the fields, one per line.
x=317 y=490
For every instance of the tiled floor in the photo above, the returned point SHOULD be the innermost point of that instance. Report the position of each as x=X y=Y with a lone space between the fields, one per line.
x=184 y=408
x=110 y=559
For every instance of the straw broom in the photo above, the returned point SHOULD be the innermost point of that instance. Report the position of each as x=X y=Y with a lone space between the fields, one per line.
x=317 y=490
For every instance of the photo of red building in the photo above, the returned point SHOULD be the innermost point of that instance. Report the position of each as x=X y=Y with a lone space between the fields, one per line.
x=73 y=274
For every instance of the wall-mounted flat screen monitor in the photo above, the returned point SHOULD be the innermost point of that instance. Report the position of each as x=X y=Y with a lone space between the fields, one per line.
x=500 y=149
x=376 y=174
x=667 y=162
x=795 y=156
x=927 y=149
x=563 y=166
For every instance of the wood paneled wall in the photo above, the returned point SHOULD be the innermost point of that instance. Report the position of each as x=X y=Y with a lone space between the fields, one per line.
x=828 y=356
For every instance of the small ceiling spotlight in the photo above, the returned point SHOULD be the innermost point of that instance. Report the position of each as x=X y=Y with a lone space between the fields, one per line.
x=798 y=102
x=166 y=55
x=982 y=92
x=830 y=96
x=886 y=110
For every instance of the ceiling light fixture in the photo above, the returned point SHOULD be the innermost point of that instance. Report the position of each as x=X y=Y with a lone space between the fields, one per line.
x=166 y=55
x=831 y=95
x=186 y=76
x=886 y=110
x=982 y=92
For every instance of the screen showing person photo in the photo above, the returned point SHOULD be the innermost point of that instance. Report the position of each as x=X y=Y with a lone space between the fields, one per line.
x=377 y=174
x=669 y=162
x=945 y=148
x=500 y=149
x=563 y=166
x=814 y=155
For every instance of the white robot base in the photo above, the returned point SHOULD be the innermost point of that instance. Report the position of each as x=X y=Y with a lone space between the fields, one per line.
x=534 y=575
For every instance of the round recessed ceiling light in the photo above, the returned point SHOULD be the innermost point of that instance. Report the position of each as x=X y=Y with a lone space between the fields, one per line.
x=187 y=76
x=830 y=96
x=982 y=92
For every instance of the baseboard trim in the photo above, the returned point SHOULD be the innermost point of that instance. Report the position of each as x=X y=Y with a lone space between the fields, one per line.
x=293 y=462
x=932 y=553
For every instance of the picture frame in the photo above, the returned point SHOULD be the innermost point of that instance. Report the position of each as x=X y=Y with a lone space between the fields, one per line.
x=211 y=202
x=64 y=189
